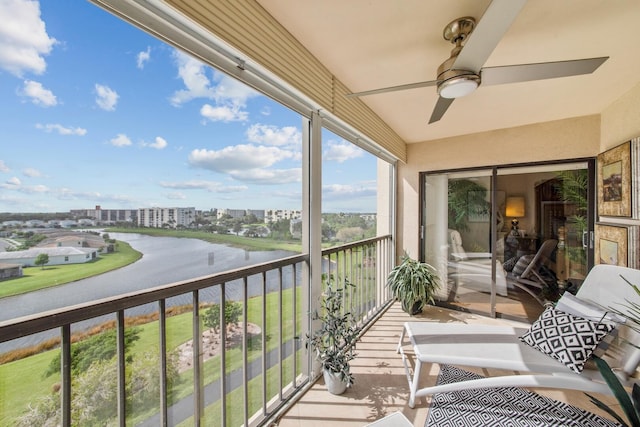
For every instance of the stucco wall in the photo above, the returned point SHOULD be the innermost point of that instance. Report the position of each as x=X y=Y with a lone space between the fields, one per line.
x=621 y=120
x=562 y=139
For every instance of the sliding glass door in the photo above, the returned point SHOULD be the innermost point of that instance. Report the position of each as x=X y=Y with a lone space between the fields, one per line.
x=458 y=227
x=507 y=239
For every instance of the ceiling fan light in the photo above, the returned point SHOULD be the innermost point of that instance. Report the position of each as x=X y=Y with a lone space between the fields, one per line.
x=458 y=87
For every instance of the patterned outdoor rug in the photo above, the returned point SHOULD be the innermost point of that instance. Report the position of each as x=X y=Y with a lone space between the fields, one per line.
x=501 y=407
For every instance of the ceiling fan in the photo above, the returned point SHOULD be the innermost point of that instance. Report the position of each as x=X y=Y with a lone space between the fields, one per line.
x=463 y=72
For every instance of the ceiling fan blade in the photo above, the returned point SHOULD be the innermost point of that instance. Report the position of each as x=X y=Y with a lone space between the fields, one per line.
x=488 y=32
x=540 y=71
x=393 y=88
x=441 y=107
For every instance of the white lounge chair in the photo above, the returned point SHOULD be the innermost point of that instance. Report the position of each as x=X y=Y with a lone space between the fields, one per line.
x=473 y=269
x=499 y=347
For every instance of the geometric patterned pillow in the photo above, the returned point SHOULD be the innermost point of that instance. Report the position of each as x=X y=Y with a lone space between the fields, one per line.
x=567 y=338
x=586 y=309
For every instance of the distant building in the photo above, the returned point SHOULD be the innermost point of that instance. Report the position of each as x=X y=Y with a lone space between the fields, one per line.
x=275 y=215
x=10 y=270
x=76 y=240
x=57 y=256
x=166 y=217
x=233 y=213
x=106 y=216
x=13 y=224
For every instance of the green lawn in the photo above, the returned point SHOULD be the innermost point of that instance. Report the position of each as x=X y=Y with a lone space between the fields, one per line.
x=22 y=381
x=35 y=278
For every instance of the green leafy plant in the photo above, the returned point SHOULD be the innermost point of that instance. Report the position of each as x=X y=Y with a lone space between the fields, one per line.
x=335 y=341
x=413 y=283
x=232 y=313
x=630 y=404
x=463 y=195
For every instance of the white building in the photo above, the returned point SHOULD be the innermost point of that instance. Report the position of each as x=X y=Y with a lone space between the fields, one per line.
x=166 y=217
x=274 y=215
x=233 y=213
x=57 y=256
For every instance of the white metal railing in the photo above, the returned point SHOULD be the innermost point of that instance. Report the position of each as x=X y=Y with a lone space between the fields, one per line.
x=254 y=372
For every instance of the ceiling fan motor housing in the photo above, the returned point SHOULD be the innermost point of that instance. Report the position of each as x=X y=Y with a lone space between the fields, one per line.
x=457 y=83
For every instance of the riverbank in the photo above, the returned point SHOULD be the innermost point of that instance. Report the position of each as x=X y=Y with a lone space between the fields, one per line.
x=240 y=242
x=35 y=278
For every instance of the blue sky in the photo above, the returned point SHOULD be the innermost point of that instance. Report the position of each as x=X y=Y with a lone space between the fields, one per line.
x=97 y=112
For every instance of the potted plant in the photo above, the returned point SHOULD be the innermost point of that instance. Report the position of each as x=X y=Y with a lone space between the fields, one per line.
x=413 y=283
x=334 y=342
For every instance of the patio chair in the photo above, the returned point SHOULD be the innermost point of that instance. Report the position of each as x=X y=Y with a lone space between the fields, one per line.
x=473 y=269
x=500 y=346
x=526 y=274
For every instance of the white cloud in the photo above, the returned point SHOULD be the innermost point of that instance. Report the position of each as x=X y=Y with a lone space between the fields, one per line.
x=32 y=173
x=23 y=38
x=229 y=95
x=348 y=192
x=3 y=167
x=62 y=130
x=93 y=197
x=143 y=57
x=15 y=181
x=224 y=113
x=268 y=176
x=121 y=140
x=38 y=94
x=341 y=151
x=176 y=196
x=238 y=157
x=192 y=73
x=15 y=184
x=106 y=98
x=287 y=136
x=159 y=143
x=211 y=186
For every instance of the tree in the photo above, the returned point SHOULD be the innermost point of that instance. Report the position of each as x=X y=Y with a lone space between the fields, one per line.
x=232 y=312
x=41 y=260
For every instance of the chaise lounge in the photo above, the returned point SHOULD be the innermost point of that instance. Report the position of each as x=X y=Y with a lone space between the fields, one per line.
x=500 y=347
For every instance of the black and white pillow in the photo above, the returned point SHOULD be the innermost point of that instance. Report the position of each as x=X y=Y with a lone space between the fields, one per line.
x=571 y=304
x=567 y=338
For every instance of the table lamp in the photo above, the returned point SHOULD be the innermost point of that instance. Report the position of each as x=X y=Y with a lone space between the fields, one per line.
x=515 y=210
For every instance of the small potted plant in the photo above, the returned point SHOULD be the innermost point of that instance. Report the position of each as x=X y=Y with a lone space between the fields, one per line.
x=413 y=283
x=334 y=342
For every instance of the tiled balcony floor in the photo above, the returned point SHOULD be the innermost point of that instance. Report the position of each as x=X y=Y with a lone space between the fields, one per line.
x=381 y=386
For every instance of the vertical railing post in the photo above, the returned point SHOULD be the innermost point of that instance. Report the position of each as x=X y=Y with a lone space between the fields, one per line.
x=122 y=388
x=65 y=367
x=223 y=355
x=198 y=398
x=162 y=319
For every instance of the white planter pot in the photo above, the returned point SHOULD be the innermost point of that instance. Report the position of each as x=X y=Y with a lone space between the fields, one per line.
x=333 y=382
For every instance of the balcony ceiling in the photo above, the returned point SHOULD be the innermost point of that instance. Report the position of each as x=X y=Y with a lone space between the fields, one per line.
x=369 y=44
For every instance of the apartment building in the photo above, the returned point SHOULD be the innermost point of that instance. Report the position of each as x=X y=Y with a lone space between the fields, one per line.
x=166 y=217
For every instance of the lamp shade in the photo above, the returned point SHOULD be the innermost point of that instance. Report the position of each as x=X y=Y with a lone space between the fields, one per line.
x=515 y=206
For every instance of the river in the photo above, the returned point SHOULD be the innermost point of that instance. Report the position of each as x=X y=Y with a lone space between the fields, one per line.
x=165 y=260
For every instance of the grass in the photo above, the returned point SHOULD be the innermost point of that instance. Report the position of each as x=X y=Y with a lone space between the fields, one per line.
x=22 y=382
x=35 y=278
x=247 y=243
